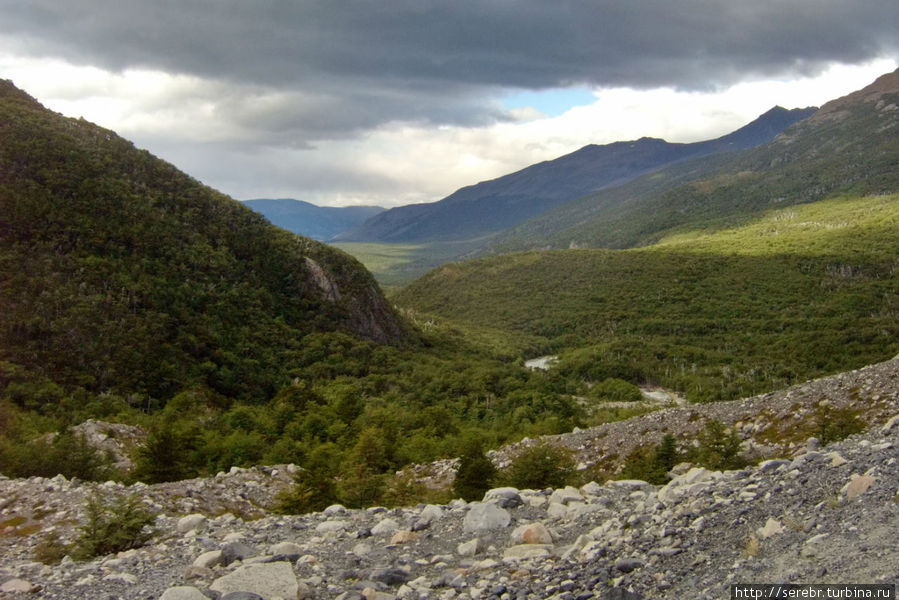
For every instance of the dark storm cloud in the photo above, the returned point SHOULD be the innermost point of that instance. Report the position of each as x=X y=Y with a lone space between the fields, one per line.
x=356 y=64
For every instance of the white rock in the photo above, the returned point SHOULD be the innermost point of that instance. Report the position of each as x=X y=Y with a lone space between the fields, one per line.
x=527 y=551
x=16 y=586
x=209 y=559
x=566 y=495
x=482 y=516
x=328 y=526
x=335 y=510
x=182 y=592
x=190 y=522
x=385 y=527
x=269 y=580
x=469 y=548
x=771 y=528
x=285 y=548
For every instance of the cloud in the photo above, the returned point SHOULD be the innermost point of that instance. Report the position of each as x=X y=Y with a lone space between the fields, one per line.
x=352 y=65
x=404 y=101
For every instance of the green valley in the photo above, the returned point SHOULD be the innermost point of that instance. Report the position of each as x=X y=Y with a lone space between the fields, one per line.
x=800 y=292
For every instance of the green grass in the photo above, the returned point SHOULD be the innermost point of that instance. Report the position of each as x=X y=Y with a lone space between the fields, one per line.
x=397 y=265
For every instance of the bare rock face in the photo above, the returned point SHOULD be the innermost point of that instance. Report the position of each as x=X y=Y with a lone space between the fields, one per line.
x=115 y=440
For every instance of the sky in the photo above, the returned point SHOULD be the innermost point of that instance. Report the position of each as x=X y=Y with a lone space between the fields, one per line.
x=392 y=102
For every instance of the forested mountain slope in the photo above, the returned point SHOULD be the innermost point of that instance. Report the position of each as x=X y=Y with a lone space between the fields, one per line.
x=851 y=145
x=803 y=291
x=120 y=273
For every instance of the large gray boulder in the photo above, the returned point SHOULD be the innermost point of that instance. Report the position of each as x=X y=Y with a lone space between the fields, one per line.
x=484 y=516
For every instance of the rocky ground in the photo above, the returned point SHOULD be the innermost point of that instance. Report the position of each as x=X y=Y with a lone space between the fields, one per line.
x=815 y=515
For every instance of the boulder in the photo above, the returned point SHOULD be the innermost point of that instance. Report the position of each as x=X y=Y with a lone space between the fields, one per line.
x=190 y=522
x=483 y=516
x=183 y=592
x=269 y=580
x=531 y=533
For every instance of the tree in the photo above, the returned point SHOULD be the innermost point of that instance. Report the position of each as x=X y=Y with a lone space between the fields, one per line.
x=475 y=472
x=540 y=466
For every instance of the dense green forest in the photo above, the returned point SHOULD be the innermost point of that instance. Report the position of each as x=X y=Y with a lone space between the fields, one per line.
x=802 y=292
x=133 y=293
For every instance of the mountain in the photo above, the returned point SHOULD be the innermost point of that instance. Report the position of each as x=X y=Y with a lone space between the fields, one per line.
x=121 y=274
x=718 y=277
x=317 y=222
x=492 y=206
x=848 y=146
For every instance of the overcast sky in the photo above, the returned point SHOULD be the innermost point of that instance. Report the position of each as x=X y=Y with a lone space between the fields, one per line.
x=397 y=101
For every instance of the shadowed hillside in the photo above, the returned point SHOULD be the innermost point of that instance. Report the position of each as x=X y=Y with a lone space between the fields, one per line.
x=119 y=272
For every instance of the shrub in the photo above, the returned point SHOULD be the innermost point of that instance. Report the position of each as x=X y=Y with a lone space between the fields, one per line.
x=50 y=550
x=475 y=473
x=616 y=390
x=652 y=464
x=719 y=447
x=314 y=488
x=65 y=453
x=540 y=466
x=122 y=525
x=167 y=455
x=834 y=424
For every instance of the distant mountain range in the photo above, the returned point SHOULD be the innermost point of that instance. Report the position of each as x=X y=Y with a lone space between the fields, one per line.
x=493 y=206
x=848 y=146
x=320 y=223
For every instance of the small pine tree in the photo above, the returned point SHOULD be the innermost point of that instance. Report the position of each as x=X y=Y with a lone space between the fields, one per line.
x=475 y=472
x=122 y=525
x=719 y=448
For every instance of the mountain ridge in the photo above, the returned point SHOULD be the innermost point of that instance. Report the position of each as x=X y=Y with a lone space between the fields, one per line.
x=846 y=146
x=491 y=206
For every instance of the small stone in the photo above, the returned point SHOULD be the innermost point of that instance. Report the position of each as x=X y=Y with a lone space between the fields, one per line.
x=385 y=527
x=332 y=525
x=626 y=565
x=126 y=578
x=469 y=548
x=889 y=425
x=836 y=460
x=532 y=533
x=391 y=576
x=285 y=548
x=236 y=551
x=242 y=596
x=566 y=495
x=268 y=580
x=20 y=586
x=335 y=510
x=527 y=551
x=208 y=559
x=403 y=537
x=858 y=485
x=771 y=528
